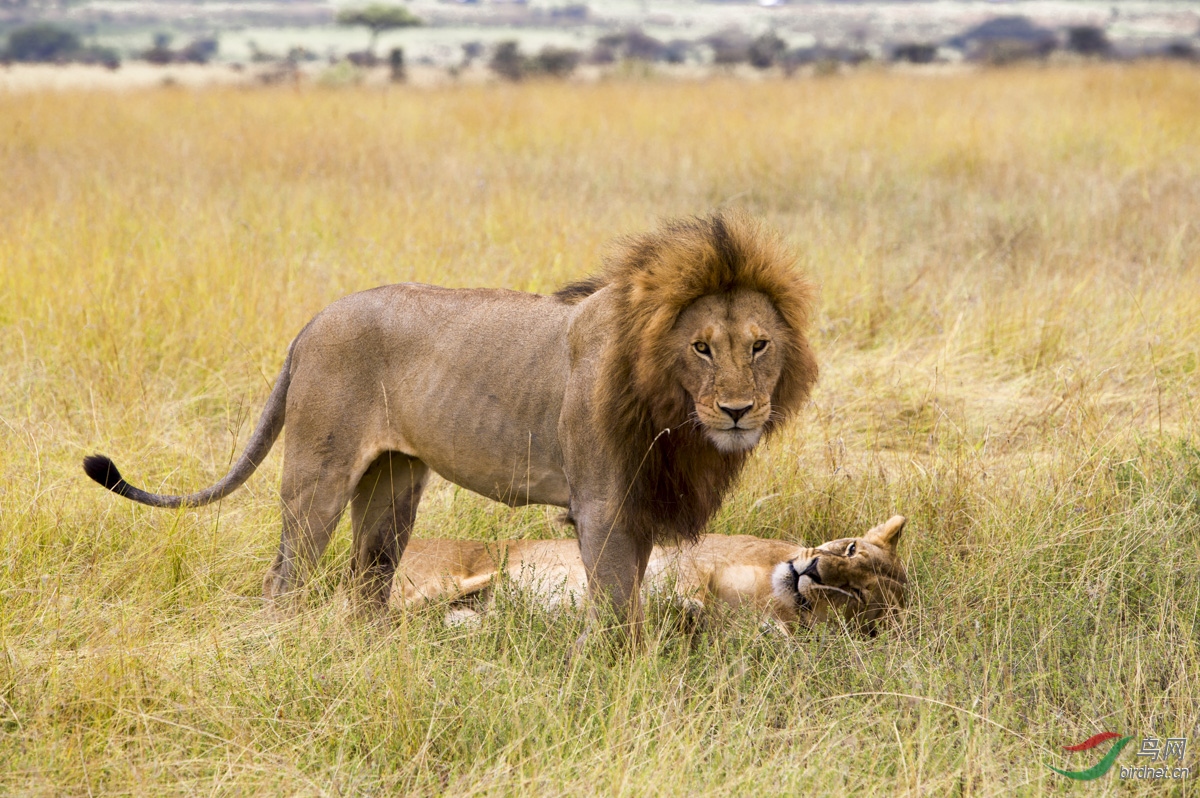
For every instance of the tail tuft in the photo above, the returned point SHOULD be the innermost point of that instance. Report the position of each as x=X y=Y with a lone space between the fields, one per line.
x=104 y=471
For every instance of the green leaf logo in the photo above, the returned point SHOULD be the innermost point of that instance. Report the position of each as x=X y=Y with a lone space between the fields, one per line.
x=1100 y=768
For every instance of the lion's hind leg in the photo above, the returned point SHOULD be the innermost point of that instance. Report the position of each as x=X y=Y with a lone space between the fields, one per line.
x=383 y=510
x=313 y=498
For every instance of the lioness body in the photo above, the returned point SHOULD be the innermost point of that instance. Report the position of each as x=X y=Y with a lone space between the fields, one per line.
x=631 y=399
x=785 y=581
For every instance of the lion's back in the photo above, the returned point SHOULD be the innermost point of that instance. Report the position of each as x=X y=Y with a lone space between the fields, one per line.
x=469 y=381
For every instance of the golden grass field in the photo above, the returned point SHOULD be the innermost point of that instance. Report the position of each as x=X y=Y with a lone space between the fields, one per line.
x=1009 y=336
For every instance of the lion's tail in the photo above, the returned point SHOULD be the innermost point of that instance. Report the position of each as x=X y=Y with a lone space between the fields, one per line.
x=104 y=471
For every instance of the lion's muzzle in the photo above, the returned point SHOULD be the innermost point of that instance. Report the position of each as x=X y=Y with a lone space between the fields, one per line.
x=734 y=426
x=735 y=411
x=800 y=581
x=786 y=583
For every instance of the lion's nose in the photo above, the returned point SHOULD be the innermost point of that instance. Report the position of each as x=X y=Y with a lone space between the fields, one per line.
x=736 y=411
x=812 y=571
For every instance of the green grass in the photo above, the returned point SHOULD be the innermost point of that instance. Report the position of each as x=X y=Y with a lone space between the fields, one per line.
x=1008 y=334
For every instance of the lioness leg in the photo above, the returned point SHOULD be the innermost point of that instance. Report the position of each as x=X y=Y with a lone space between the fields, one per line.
x=689 y=590
x=615 y=561
x=383 y=510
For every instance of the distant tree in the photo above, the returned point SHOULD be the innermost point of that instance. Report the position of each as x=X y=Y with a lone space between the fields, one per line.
x=259 y=55
x=377 y=18
x=396 y=65
x=106 y=57
x=602 y=54
x=766 y=50
x=1184 y=51
x=730 y=46
x=161 y=52
x=1088 y=40
x=508 y=61
x=999 y=39
x=298 y=54
x=42 y=42
x=915 y=53
x=200 y=50
x=557 y=62
x=641 y=46
x=554 y=62
x=471 y=51
x=677 y=51
x=631 y=44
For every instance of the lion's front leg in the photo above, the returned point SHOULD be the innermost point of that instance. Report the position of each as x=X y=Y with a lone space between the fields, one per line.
x=615 y=560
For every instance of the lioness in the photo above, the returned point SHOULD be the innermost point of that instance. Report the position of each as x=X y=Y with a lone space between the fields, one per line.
x=791 y=584
x=632 y=399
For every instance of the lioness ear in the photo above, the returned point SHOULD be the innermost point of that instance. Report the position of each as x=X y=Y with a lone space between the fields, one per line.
x=887 y=534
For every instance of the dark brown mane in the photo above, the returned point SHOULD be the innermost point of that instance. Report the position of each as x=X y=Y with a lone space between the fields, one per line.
x=576 y=292
x=676 y=477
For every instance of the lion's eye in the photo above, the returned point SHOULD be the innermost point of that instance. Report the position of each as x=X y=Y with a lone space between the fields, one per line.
x=853 y=547
x=759 y=345
x=701 y=347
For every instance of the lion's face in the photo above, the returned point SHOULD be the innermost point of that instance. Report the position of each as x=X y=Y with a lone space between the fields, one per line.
x=729 y=364
x=862 y=577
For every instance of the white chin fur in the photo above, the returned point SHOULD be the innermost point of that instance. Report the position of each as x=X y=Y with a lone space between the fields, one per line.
x=734 y=440
x=782 y=583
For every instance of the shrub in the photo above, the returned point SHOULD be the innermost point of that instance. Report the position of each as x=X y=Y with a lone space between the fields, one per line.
x=43 y=42
x=729 y=46
x=508 y=62
x=1183 y=51
x=364 y=59
x=1004 y=40
x=766 y=50
x=511 y=64
x=915 y=53
x=472 y=51
x=677 y=51
x=1088 y=40
x=637 y=44
x=200 y=50
x=557 y=62
x=825 y=60
x=99 y=56
x=161 y=52
x=1001 y=52
x=629 y=44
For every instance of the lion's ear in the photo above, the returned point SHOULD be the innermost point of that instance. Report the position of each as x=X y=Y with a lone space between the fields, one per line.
x=887 y=534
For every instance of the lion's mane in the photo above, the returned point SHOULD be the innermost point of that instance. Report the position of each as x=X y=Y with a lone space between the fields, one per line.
x=675 y=477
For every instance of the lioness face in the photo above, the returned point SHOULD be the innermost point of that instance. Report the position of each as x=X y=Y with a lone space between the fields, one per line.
x=862 y=577
x=730 y=362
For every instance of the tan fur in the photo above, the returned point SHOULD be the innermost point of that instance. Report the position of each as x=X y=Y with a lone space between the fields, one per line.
x=599 y=399
x=737 y=570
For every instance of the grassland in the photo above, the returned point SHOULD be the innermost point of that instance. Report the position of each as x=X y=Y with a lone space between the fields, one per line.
x=1009 y=333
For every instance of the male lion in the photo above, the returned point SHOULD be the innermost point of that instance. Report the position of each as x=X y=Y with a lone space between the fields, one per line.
x=632 y=399
x=862 y=577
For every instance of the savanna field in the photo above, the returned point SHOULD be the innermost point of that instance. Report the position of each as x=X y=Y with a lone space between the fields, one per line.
x=1009 y=338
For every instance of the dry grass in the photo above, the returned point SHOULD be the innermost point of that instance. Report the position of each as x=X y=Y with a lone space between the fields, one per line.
x=1009 y=335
